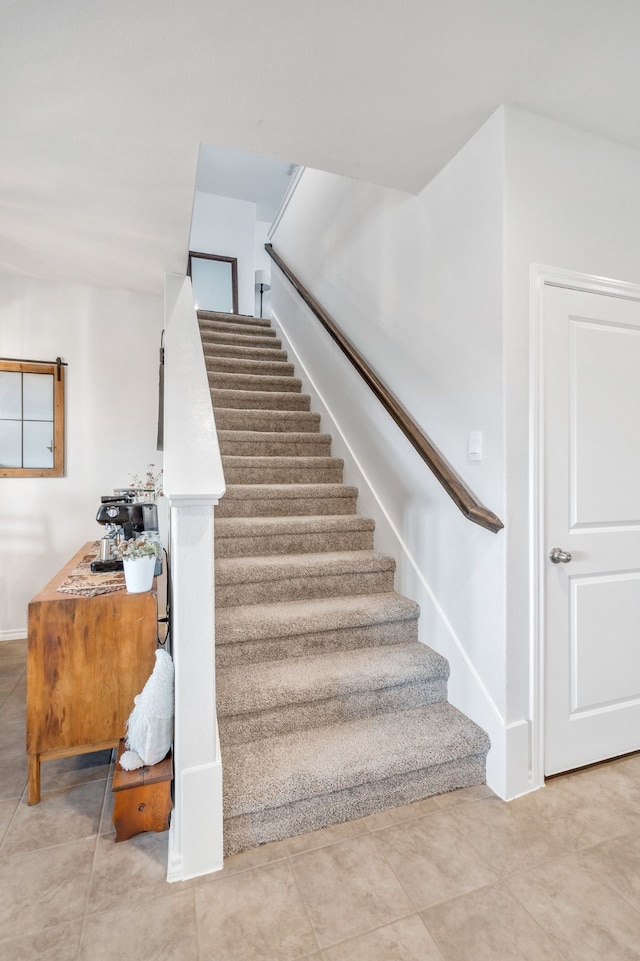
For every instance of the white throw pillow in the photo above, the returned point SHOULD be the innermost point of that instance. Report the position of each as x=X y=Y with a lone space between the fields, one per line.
x=150 y=724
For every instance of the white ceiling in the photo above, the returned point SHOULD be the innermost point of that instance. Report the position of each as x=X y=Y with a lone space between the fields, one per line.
x=104 y=106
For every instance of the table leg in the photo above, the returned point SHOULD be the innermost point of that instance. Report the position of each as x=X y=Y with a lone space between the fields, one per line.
x=34 y=779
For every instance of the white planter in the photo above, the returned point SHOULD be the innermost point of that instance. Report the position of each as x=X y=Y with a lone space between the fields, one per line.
x=138 y=573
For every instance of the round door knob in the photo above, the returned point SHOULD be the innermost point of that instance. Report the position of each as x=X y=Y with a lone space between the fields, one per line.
x=558 y=556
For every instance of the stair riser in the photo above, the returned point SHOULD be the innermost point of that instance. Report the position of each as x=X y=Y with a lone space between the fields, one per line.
x=259 y=382
x=324 y=642
x=258 y=354
x=269 y=421
x=272 y=448
x=210 y=338
x=256 y=506
x=294 y=544
x=249 y=830
x=301 y=588
x=257 y=400
x=329 y=474
x=237 y=365
x=285 y=719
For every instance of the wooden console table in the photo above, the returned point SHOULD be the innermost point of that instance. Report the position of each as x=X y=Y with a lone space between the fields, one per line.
x=87 y=659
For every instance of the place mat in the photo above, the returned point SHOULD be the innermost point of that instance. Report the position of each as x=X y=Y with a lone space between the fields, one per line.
x=83 y=581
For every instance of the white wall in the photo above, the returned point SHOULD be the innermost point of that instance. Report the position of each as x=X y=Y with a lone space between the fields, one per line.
x=227 y=227
x=572 y=202
x=417 y=284
x=110 y=339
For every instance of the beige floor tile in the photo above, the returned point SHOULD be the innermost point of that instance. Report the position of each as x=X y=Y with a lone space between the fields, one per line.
x=106 y=818
x=407 y=812
x=579 y=812
x=57 y=943
x=160 y=930
x=257 y=915
x=13 y=649
x=406 y=940
x=7 y=810
x=507 y=836
x=464 y=795
x=247 y=860
x=587 y=919
x=67 y=771
x=616 y=784
x=432 y=859
x=325 y=836
x=349 y=888
x=14 y=737
x=618 y=863
x=62 y=816
x=489 y=925
x=14 y=776
x=129 y=871
x=13 y=707
x=44 y=888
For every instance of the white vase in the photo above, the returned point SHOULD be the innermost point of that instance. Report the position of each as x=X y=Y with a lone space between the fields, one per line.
x=138 y=573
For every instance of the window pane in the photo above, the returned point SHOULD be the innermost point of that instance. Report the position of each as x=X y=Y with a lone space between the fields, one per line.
x=212 y=284
x=38 y=444
x=38 y=396
x=10 y=395
x=10 y=443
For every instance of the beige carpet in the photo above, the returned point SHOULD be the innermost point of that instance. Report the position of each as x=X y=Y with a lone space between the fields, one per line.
x=329 y=708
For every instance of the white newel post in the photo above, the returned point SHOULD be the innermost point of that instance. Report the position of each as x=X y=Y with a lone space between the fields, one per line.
x=193 y=484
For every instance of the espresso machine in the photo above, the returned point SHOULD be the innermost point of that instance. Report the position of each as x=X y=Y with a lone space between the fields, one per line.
x=123 y=517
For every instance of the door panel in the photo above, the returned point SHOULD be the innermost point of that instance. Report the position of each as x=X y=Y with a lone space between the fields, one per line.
x=591 y=403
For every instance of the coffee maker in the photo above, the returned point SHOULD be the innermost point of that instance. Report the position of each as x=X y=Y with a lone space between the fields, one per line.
x=123 y=517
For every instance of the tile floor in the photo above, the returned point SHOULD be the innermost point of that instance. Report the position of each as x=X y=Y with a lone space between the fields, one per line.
x=462 y=877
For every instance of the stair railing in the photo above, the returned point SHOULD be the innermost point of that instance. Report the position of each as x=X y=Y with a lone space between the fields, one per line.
x=450 y=480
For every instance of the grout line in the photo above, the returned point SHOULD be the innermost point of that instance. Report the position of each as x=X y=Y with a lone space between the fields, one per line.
x=304 y=901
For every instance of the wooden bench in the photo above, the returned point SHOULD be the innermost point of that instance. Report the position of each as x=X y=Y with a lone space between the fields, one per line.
x=142 y=798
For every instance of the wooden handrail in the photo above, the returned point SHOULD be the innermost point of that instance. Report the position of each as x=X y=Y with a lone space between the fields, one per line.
x=443 y=471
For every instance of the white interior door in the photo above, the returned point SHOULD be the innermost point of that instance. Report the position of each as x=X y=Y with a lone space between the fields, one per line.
x=591 y=424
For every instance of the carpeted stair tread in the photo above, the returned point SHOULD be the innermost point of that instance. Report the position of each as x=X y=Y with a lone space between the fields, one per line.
x=271 y=421
x=273 y=443
x=274 y=772
x=262 y=382
x=282 y=470
x=212 y=337
x=242 y=352
x=246 y=536
x=239 y=319
x=245 y=689
x=240 y=365
x=290 y=577
x=239 y=570
x=255 y=622
x=255 y=399
x=273 y=526
x=231 y=327
x=273 y=500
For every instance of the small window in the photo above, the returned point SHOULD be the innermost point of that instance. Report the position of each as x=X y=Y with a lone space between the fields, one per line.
x=31 y=418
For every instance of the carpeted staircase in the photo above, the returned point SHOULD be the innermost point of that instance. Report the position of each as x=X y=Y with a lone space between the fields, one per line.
x=329 y=708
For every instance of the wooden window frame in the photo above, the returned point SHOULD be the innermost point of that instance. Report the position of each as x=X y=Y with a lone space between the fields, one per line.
x=57 y=369
x=194 y=255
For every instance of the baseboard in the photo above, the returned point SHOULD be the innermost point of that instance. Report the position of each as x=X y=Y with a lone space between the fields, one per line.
x=20 y=634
